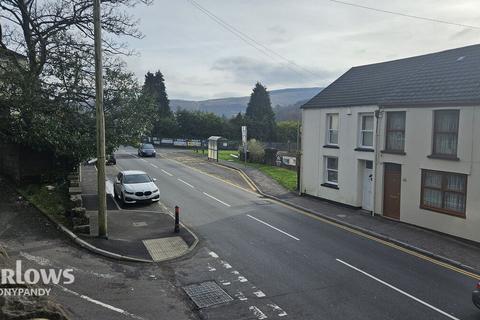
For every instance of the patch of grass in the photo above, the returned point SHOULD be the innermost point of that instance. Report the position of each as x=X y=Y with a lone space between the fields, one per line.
x=285 y=177
x=226 y=155
x=53 y=203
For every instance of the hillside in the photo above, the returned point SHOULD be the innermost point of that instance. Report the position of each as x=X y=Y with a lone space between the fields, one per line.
x=231 y=106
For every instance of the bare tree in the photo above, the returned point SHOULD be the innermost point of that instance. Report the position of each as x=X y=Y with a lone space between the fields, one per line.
x=49 y=74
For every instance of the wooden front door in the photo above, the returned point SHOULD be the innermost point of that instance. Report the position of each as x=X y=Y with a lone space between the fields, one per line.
x=392 y=183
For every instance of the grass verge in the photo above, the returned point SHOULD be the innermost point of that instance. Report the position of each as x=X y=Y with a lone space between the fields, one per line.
x=285 y=177
x=52 y=202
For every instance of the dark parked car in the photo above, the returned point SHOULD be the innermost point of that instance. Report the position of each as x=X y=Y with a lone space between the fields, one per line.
x=111 y=159
x=476 y=296
x=146 y=150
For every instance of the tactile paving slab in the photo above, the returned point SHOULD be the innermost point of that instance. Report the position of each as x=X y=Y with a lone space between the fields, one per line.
x=207 y=294
x=165 y=248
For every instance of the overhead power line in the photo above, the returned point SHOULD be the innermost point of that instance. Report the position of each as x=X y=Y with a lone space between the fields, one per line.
x=406 y=15
x=251 y=41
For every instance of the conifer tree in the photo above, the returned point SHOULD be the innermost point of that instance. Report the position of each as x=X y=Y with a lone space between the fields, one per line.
x=259 y=115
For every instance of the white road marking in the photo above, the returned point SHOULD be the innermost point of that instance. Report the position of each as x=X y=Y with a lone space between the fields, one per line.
x=280 y=311
x=153 y=165
x=275 y=228
x=224 y=203
x=226 y=283
x=258 y=313
x=143 y=160
x=112 y=308
x=188 y=184
x=213 y=254
x=211 y=269
x=398 y=290
x=242 y=279
x=240 y=296
x=259 y=294
x=226 y=265
x=167 y=173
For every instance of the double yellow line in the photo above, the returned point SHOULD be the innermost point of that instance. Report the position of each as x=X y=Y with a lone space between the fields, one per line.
x=338 y=225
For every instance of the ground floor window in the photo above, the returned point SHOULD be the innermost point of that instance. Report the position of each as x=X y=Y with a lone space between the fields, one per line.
x=331 y=170
x=444 y=192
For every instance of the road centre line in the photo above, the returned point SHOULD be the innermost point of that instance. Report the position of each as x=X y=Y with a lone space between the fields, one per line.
x=398 y=290
x=167 y=173
x=275 y=228
x=188 y=184
x=110 y=307
x=340 y=226
x=153 y=165
x=381 y=241
x=224 y=203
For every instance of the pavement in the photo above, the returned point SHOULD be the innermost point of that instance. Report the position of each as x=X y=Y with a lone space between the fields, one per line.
x=105 y=289
x=275 y=261
x=134 y=231
x=461 y=252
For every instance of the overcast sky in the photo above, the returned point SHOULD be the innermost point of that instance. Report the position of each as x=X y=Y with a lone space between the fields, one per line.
x=201 y=60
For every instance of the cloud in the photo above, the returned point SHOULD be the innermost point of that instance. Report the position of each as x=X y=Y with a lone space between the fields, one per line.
x=248 y=70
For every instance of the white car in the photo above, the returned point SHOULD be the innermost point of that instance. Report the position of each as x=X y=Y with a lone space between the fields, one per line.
x=134 y=186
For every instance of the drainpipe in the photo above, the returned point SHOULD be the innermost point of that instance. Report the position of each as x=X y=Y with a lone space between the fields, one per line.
x=378 y=116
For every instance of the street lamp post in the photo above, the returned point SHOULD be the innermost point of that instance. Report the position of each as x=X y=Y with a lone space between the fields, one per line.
x=102 y=197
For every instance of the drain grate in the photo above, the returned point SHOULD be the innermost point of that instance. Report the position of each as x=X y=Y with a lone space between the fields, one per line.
x=207 y=294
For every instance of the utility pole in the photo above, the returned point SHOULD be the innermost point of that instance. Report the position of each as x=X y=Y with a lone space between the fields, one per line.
x=102 y=196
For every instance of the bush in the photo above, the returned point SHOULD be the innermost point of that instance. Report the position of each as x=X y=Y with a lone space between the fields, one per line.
x=256 y=151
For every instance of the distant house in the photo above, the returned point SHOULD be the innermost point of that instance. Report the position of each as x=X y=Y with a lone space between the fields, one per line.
x=402 y=139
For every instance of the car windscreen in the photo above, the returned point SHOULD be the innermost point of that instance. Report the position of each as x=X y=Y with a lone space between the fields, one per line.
x=147 y=146
x=136 y=178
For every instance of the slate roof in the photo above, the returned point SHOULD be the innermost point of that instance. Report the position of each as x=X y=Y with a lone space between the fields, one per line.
x=450 y=77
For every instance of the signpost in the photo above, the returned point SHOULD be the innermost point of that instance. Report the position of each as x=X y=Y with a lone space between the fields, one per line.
x=244 y=141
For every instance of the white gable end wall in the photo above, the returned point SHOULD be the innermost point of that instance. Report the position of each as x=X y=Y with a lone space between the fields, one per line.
x=313 y=154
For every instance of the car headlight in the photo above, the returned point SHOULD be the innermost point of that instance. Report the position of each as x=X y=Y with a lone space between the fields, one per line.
x=128 y=192
x=156 y=190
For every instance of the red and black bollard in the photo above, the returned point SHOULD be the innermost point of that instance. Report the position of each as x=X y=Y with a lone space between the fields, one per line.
x=177 y=219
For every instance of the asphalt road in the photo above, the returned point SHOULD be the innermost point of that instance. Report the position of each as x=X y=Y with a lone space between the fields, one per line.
x=308 y=269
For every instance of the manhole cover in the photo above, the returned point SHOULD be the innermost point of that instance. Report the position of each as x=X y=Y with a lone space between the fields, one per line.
x=207 y=294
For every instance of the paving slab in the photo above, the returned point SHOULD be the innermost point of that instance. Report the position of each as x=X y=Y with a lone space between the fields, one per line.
x=130 y=225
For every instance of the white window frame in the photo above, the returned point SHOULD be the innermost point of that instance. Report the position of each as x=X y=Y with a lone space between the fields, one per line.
x=327 y=170
x=361 y=131
x=329 y=129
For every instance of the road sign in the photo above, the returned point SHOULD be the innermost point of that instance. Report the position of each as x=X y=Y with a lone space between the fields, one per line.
x=244 y=134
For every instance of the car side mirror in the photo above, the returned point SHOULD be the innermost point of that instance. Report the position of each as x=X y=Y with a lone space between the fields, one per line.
x=154 y=179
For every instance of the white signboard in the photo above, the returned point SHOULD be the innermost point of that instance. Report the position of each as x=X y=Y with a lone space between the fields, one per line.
x=289 y=161
x=244 y=134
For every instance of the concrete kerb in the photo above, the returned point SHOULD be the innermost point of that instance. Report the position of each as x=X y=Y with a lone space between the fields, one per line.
x=84 y=244
x=360 y=229
x=190 y=248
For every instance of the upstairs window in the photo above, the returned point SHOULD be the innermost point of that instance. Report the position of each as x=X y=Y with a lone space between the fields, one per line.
x=395 y=132
x=332 y=129
x=445 y=133
x=366 y=131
